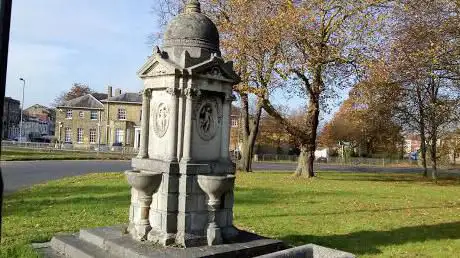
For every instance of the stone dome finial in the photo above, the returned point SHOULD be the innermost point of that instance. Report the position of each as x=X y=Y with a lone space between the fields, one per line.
x=193 y=6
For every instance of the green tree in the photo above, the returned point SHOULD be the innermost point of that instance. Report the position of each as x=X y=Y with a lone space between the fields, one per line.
x=77 y=90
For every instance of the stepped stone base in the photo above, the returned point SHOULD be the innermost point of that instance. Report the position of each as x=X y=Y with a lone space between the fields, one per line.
x=111 y=242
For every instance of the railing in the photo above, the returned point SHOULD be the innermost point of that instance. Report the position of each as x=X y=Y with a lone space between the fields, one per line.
x=337 y=160
x=39 y=146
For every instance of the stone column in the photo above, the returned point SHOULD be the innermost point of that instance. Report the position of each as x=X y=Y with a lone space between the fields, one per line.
x=143 y=153
x=180 y=128
x=186 y=155
x=224 y=152
x=174 y=92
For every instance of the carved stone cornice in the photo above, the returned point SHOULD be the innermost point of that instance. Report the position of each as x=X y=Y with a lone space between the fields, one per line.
x=229 y=98
x=175 y=92
x=147 y=93
x=191 y=93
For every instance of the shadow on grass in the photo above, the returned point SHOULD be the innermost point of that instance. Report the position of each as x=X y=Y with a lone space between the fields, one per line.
x=368 y=242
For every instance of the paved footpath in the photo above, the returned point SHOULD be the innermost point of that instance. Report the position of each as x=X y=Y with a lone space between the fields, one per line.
x=19 y=174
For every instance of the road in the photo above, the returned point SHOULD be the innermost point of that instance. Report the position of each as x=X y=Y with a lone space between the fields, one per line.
x=21 y=174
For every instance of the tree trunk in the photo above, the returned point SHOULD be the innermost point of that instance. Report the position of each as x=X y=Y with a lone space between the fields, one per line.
x=423 y=152
x=306 y=161
x=246 y=158
x=422 y=131
x=305 y=164
x=434 y=158
x=250 y=130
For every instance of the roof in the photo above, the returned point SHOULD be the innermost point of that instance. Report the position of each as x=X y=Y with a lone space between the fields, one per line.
x=126 y=97
x=86 y=101
x=100 y=96
x=37 y=106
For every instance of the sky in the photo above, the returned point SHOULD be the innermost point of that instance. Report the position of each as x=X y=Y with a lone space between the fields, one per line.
x=55 y=43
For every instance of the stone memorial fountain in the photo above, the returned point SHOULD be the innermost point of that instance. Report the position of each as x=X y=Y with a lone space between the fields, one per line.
x=184 y=147
x=182 y=180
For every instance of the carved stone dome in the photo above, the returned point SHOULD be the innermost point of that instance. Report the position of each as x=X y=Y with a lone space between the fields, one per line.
x=192 y=29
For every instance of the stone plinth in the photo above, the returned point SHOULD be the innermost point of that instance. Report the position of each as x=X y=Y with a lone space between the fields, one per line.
x=112 y=242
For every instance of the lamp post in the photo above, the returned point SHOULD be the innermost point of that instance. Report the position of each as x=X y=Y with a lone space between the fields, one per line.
x=22 y=107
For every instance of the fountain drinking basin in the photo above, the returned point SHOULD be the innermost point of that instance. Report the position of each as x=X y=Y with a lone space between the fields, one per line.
x=215 y=186
x=147 y=183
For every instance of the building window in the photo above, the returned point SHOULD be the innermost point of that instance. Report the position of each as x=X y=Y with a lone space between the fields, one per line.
x=68 y=135
x=68 y=115
x=121 y=114
x=80 y=135
x=93 y=115
x=119 y=136
x=81 y=114
x=92 y=136
x=234 y=122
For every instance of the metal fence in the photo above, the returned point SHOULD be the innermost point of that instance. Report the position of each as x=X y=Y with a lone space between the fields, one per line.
x=39 y=146
x=353 y=161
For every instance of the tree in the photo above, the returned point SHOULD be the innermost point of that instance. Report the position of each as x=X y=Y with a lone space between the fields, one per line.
x=251 y=36
x=425 y=59
x=324 y=42
x=367 y=118
x=271 y=134
x=77 y=90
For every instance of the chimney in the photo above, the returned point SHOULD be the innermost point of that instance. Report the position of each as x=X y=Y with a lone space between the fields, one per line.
x=109 y=91
x=117 y=92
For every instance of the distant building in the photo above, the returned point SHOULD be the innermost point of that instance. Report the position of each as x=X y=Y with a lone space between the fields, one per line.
x=412 y=143
x=235 y=129
x=39 y=121
x=11 y=118
x=100 y=119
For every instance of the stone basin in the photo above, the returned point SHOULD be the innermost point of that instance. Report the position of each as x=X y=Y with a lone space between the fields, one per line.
x=146 y=183
x=215 y=186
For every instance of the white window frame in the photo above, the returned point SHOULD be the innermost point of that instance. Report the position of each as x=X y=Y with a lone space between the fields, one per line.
x=92 y=135
x=68 y=134
x=234 y=122
x=68 y=114
x=81 y=114
x=119 y=136
x=80 y=135
x=121 y=114
x=92 y=113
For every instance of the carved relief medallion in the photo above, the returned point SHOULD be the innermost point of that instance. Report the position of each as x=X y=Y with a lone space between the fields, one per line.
x=207 y=119
x=161 y=120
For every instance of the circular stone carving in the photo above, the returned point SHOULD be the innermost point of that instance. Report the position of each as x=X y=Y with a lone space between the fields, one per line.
x=207 y=120
x=161 y=120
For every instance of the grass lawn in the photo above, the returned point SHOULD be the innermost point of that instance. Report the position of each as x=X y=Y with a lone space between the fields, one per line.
x=24 y=154
x=370 y=215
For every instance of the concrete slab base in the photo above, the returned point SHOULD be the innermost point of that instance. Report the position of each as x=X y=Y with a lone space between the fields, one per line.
x=114 y=242
x=309 y=251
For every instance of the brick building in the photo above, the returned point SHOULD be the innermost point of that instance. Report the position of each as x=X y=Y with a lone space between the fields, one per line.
x=100 y=119
x=11 y=118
